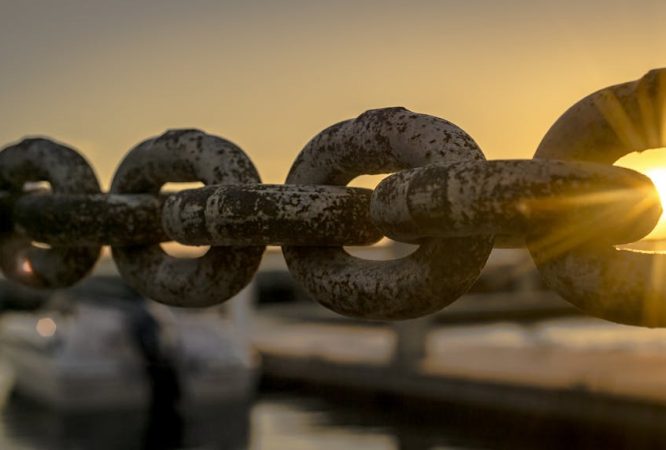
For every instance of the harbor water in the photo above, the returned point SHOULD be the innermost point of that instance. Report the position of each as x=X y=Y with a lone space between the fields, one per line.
x=290 y=418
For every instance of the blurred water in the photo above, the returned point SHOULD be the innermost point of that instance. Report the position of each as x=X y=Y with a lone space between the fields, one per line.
x=299 y=422
x=295 y=420
x=272 y=422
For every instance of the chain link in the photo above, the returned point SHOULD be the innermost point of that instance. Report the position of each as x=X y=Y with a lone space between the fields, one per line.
x=513 y=199
x=615 y=284
x=185 y=156
x=68 y=173
x=266 y=214
x=568 y=206
x=439 y=271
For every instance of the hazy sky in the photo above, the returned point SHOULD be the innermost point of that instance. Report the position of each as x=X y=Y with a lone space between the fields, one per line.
x=102 y=76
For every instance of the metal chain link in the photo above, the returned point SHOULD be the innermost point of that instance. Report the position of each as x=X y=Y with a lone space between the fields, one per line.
x=568 y=206
x=616 y=284
x=68 y=173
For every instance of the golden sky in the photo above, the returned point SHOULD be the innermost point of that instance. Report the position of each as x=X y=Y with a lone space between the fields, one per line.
x=102 y=76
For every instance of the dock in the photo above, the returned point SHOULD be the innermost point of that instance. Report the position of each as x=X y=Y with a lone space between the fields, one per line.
x=568 y=367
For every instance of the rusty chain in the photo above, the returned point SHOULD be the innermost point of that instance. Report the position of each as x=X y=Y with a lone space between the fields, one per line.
x=569 y=206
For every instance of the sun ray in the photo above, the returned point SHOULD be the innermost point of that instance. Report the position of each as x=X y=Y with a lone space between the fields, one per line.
x=564 y=238
x=652 y=163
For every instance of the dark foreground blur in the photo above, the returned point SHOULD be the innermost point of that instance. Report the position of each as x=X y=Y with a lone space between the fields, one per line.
x=293 y=418
x=510 y=366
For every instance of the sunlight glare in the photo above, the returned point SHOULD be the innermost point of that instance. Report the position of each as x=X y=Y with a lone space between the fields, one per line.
x=658 y=177
x=653 y=164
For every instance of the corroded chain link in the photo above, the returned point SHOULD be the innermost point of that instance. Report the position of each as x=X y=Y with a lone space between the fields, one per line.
x=568 y=206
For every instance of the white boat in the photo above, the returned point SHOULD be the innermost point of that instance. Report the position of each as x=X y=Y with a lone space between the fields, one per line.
x=94 y=347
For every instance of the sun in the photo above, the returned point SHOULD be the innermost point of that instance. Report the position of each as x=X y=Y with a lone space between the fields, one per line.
x=658 y=177
x=653 y=164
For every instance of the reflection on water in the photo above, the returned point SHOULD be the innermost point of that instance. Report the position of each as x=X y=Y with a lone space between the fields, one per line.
x=298 y=420
x=274 y=422
x=329 y=420
x=300 y=423
x=26 y=425
x=280 y=426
